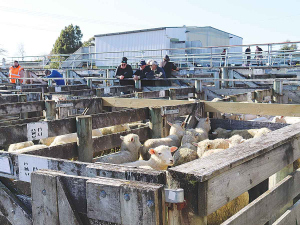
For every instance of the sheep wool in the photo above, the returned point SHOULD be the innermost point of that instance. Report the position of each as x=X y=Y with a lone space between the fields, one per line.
x=17 y=146
x=129 y=151
x=161 y=158
x=31 y=148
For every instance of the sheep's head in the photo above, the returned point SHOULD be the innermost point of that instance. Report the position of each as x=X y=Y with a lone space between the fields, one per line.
x=235 y=140
x=280 y=119
x=177 y=129
x=204 y=123
x=131 y=139
x=205 y=145
x=162 y=155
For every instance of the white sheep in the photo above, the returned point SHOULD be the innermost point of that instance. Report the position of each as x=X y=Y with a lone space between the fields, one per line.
x=206 y=145
x=129 y=151
x=115 y=129
x=221 y=133
x=17 y=146
x=174 y=139
x=31 y=148
x=211 y=152
x=47 y=141
x=287 y=119
x=160 y=159
x=259 y=132
x=235 y=140
x=202 y=128
x=69 y=138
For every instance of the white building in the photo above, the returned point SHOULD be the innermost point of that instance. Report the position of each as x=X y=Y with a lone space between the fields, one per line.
x=157 y=42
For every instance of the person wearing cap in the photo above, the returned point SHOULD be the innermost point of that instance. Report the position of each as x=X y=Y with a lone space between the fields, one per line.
x=55 y=74
x=168 y=68
x=16 y=71
x=142 y=72
x=124 y=71
x=149 y=62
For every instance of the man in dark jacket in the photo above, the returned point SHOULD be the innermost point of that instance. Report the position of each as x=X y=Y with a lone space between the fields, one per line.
x=168 y=68
x=248 y=53
x=142 y=72
x=124 y=71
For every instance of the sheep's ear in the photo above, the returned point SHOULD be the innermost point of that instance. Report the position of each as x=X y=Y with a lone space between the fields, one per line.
x=196 y=144
x=207 y=119
x=151 y=151
x=173 y=149
x=208 y=146
x=122 y=138
x=242 y=141
x=132 y=139
x=281 y=117
x=227 y=140
x=183 y=123
x=170 y=123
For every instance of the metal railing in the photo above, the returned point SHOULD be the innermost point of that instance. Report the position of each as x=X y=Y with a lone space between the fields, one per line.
x=212 y=56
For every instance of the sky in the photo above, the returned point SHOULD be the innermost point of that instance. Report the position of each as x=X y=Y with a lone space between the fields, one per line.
x=36 y=24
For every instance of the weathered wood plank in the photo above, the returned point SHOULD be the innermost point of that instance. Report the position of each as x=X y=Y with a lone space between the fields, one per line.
x=243 y=125
x=4 y=99
x=44 y=198
x=261 y=210
x=253 y=108
x=291 y=216
x=66 y=210
x=12 y=208
x=14 y=108
x=84 y=138
x=140 y=103
x=20 y=121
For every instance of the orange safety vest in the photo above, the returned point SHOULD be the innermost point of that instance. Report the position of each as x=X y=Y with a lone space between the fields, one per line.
x=15 y=73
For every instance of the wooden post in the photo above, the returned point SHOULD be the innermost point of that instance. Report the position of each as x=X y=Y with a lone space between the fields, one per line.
x=278 y=91
x=172 y=94
x=259 y=96
x=99 y=92
x=90 y=83
x=138 y=85
x=50 y=110
x=198 y=89
x=224 y=76
x=156 y=122
x=84 y=138
x=23 y=98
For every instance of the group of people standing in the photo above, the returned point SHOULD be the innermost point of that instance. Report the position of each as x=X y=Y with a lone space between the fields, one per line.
x=149 y=70
x=258 y=55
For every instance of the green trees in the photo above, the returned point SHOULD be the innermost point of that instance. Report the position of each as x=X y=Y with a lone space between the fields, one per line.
x=89 y=42
x=289 y=47
x=68 y=41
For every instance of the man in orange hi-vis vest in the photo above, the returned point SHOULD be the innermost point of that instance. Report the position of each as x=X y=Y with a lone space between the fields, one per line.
x=16 y=71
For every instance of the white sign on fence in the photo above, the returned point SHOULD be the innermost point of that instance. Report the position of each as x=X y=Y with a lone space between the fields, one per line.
x=36 y=131
x=29 y=164
x=162 y=93
x=5 y=166
x=106 y=90
x=18 y=87
x=58 y=89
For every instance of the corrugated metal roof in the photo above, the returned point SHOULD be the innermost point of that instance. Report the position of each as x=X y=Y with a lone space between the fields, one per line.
x=159 y=28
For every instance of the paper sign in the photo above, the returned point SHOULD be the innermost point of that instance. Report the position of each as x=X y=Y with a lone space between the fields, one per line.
x=5 y=166
x=190 y=95
x=162 y=93
x=58 y=89
x=106 y=90
x=172 y=195
x=36 y=131
x=18 y=87
x=29 y=164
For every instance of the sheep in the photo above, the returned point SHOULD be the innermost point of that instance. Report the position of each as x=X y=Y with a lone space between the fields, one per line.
x=31 y=148
x=235 y=140
x=17 y=146
x=202 y=128
x=206 y=145
x=47 y=141
x=211 y=151
x=221 y=133
x=115 y=129
x=190 y=136
x=289 y=119
x=160 y=159
x=259 y=132
x=129 y=151
x=246 y=117
x=228 y=210
x=217 y=100
x=69 y=138
x=185 y=154
x=174 y=139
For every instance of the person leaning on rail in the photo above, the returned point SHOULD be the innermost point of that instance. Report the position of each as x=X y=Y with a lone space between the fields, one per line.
x=16 y=71
x=55 y=74
x=142 y=71
x=124 y=71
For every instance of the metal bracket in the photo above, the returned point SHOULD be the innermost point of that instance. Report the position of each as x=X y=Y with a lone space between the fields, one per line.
x=174 y=195
x=169 y=112
x=64 y=105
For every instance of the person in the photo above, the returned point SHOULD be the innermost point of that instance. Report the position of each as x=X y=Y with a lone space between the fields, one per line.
x=168 y=68
x=258 y=55
x=16 y=71
x=142 y=72
x=248 y=53
x=149 y=62
x=156 y=71
x=55 y=74
x=223 y=56
x=124 y=71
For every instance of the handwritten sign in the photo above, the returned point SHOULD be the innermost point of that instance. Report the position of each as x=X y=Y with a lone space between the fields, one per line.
x=36 y=131
x=162 y=93
x=106 y=90
x=57 y=89
x=5 y=165
x=29 y=164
